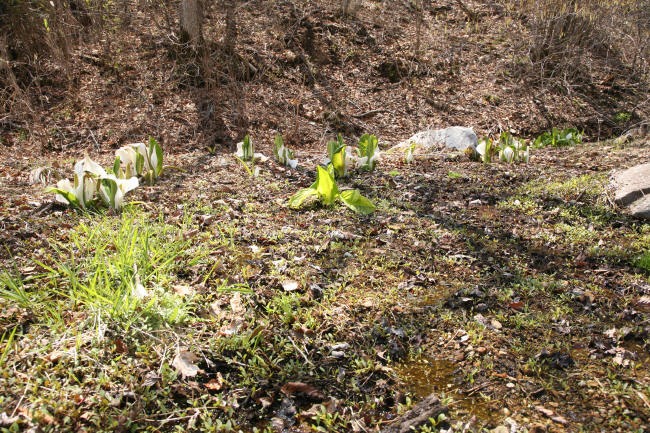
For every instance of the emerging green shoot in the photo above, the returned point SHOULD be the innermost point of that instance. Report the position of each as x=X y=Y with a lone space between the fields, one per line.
x=410 y=153
x=368 y=152
x=283 y=155
x=339 y=160
x=246 y=151
x=327 y=192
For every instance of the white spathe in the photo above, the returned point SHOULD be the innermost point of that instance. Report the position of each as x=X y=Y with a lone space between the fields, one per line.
x=123 y=186
x=128 y=156
x=65 y=185
x=507 y=154
x=86 y=176
x=283 y=156
x=240 y=153
x=151 y=163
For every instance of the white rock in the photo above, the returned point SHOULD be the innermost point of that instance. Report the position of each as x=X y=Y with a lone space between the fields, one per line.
x=453 y=138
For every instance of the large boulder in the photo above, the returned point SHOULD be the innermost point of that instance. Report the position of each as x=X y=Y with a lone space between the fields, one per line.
x=632 y=189
x=455 y=138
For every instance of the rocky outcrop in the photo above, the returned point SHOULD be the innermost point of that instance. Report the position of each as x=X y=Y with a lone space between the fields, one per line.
x=632 y=189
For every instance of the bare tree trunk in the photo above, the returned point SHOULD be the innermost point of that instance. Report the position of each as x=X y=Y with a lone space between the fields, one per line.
x=191 y=18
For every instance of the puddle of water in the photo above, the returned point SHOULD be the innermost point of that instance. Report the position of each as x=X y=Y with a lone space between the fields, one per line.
x=435 y=296
x=639 y=349
x=425 y=375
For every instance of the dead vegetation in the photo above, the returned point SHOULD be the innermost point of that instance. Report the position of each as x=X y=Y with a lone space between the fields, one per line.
x=311 y=69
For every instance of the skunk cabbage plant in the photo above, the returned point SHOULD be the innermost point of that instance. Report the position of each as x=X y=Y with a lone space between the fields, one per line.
x=89 y=179
x=557 y=138
x=81 y=192
x=512 y=149
x=283 y=155
x=245 y=151
x=410 y=153
x=113 y=189
x=368 y=152
x=484 y=150
x=338 y=159
x=128 y=156
x=148 y=159
x=327 y=192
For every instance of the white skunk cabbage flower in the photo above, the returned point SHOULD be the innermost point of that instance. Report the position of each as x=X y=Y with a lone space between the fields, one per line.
x=66 y=186
x=244 y=155
x=87 y=174
x=526 y=154
x=128 y=156
x=351 y=162
x=284 y=157
x=481 y=149
x=245 y=151
x=150 y=160
x=507 y=154
x=86 y=178
x=112 y=190
x=410 y=153
x=372 y=161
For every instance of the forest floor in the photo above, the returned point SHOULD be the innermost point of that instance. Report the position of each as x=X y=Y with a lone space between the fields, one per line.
x=516 y=292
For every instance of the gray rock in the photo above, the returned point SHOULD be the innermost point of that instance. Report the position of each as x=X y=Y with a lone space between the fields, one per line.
x=457 y=138
x=641 y=207
x=632 y=189
x=631 y=184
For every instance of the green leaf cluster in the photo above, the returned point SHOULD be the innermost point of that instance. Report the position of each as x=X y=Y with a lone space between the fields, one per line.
x=559 y=138
x=367 y=151
x=327 y=192
x=337 y=156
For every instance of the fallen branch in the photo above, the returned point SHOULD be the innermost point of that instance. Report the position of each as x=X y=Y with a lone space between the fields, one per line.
x=369 y=113
x=430 y=407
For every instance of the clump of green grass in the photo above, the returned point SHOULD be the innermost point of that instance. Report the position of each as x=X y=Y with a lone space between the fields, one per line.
x=118 y=268
x=643 y=261
x=588 y=186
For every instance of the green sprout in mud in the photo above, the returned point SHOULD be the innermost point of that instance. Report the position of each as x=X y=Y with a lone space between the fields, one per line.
x=327 y=192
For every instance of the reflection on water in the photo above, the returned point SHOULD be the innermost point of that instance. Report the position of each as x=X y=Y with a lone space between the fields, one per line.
x=425 y=375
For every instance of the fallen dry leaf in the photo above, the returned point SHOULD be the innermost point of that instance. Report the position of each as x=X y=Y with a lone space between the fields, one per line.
x=236 y=304
x=292 y=388
x=183 y=290
x=151 y=378
x=552 y=415
x=547 y=412
x=643 y=303
x=215 y=384
x=290 y=285
x=184 y=363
